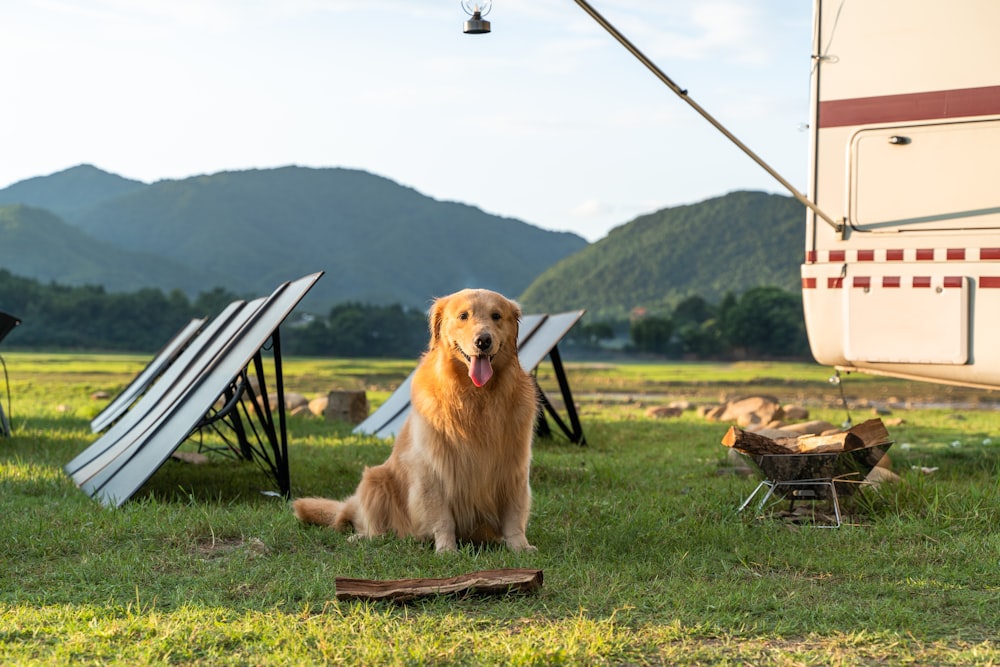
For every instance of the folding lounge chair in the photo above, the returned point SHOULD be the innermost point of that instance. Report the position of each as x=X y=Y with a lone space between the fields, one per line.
x=215 y=364
x=124 y=400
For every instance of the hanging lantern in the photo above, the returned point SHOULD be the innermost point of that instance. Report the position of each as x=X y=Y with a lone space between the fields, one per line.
x=477 y=9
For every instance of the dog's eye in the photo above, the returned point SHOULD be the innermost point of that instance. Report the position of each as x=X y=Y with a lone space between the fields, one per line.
x=463 y=316
x=496 y=317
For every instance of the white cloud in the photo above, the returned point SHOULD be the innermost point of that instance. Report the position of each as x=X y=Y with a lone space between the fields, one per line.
x=591 y=209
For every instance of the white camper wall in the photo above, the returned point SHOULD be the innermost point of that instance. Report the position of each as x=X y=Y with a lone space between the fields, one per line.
x=906 y=151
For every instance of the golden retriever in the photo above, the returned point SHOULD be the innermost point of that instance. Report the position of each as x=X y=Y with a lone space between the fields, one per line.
x=459 y=467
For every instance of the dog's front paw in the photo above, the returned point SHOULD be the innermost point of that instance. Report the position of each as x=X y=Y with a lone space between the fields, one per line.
x=519 y=543
x=445 y=543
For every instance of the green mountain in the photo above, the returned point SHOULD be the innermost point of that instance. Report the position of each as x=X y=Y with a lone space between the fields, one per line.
x=68 y=192
x=34 y=243
x=379 y=242
x=726 y=244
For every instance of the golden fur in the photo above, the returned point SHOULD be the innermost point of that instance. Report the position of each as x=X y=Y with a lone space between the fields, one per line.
x=459 y=466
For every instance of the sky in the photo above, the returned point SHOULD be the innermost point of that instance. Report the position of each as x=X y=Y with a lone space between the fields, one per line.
x=547 y=119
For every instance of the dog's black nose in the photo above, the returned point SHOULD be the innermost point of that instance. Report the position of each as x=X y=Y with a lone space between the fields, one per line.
x=483 y=342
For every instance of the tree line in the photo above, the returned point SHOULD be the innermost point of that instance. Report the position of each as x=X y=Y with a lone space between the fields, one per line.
x=761 y=322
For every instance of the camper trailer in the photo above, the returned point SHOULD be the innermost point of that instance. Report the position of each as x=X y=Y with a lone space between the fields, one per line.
x=903 y=278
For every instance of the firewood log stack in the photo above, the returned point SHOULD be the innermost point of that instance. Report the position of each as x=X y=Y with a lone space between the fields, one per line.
x=866 y=434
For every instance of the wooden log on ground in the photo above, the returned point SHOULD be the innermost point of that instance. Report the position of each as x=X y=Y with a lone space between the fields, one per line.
x=492 y=582
x=348 y=406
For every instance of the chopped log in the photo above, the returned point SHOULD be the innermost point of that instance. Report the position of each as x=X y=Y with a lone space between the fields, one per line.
x=871 y=432
x=348 y=406
x=754 y=444
x=494 y=582
x=837 y=442
x=814 y=427
x=865 y=434
x=778 y=434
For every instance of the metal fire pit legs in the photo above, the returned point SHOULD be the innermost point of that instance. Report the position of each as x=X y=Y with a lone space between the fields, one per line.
x=806 y=492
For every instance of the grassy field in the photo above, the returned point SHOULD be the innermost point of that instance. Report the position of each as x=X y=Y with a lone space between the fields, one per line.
x=645 y=558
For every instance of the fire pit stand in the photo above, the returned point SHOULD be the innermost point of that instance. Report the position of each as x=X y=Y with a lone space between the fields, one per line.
x=815 y=476
x=793 y=493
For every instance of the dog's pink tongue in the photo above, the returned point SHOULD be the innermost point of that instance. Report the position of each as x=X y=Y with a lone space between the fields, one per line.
x=480 y=370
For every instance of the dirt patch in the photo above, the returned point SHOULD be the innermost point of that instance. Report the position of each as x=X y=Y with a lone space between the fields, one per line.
x=216 y=547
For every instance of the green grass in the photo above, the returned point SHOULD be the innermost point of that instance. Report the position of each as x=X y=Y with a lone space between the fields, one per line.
x=645 y=558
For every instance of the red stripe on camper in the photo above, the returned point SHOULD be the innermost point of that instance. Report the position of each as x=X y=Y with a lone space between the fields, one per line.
x=862 y=281
x=953 y=281
x=808 y=283
x=898 y=255
x=989 y=281
x=934 y=105
x=921 y=281
x=890 y=281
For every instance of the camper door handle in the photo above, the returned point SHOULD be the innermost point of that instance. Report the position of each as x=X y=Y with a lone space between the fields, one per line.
x=898 y=140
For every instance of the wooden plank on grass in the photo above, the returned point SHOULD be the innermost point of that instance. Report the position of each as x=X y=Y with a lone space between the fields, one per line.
x=491 y=582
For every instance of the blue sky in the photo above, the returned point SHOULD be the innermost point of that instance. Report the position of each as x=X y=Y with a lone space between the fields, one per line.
x=547 y=119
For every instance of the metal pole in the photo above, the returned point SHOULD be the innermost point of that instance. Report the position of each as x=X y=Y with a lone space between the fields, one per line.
x=680 y=92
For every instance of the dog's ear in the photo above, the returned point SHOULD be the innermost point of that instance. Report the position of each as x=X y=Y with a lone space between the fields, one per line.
x=515 y=309
x=436 y=320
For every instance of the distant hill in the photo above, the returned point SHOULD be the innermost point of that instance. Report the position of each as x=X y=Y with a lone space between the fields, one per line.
x=34 y=243
x=379 y=242
x=726 y=244
x=69 y=192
